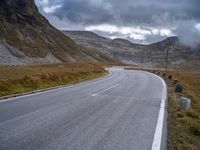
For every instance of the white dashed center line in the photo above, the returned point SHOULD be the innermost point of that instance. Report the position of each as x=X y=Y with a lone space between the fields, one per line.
x=95 y=94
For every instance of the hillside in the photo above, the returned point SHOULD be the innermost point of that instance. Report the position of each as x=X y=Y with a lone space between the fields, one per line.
x=26 y=37
x=152 y=55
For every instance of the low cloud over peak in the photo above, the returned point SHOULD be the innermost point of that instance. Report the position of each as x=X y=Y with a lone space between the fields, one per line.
x=139 y=21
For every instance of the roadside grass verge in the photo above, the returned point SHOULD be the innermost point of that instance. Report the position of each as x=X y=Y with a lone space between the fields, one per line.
x=20 y=79
x=183 y=125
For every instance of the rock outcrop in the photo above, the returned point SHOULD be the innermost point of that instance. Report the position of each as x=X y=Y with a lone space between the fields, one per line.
x=25 y=33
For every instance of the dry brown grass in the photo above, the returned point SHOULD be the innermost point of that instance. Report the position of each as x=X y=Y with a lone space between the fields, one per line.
x=183 y=125
x=15 y=80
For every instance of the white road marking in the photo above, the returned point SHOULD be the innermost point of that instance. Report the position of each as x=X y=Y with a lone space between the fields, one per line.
x=95 y=94
x=43 y=91
x=156 y=145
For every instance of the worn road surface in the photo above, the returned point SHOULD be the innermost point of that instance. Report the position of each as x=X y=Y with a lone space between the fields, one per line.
x=122 y=111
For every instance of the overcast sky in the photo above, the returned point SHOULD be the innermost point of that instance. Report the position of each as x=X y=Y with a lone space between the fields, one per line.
x=140 y=21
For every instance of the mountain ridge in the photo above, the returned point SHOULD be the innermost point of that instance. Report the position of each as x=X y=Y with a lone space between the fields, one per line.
x=27 y=37
x=151 y=55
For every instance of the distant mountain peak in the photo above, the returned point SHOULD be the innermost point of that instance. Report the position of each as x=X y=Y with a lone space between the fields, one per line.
x=161 y=45
x=128 y=52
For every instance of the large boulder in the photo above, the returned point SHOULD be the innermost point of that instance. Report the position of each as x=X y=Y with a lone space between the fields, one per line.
x=185 y=103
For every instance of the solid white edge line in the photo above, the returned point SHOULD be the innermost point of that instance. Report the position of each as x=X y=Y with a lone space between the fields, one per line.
x=43 y=91
x=156 y=145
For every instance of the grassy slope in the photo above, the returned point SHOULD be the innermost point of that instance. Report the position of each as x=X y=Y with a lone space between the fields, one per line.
x=23 y=27
x=183 y=125
x=15 y=80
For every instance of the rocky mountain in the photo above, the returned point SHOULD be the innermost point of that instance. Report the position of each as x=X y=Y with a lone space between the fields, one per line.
x=152 y=55
x=90 y=40
x=26 y=37
x=162 y=45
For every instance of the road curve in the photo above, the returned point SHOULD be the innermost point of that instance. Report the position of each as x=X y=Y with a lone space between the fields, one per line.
x=117 y=112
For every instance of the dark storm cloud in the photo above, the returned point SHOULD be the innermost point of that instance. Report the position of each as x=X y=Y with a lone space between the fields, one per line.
x=127 y=11
x=83 y=11
x=157 y=14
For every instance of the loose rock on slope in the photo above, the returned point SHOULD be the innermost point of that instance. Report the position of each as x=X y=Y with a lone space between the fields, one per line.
x=26 y=37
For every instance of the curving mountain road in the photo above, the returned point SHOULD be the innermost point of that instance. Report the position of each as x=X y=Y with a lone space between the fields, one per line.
x=123 y=111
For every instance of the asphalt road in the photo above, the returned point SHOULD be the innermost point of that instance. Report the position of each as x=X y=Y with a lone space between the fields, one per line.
x=123 y=111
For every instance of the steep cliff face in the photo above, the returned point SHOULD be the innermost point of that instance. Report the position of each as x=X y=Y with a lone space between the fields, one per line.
x=21 y=13
x=25 y=33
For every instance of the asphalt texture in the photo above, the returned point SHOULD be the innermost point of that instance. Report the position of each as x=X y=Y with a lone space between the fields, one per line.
x=117 y=112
